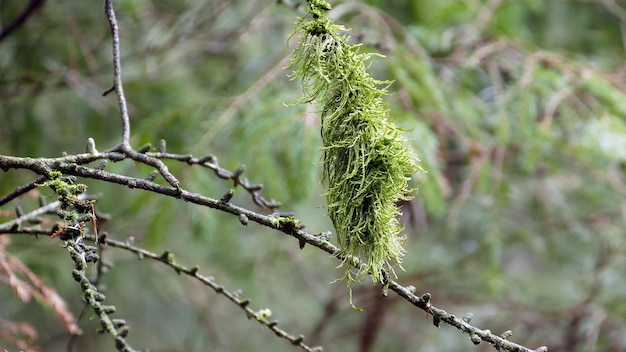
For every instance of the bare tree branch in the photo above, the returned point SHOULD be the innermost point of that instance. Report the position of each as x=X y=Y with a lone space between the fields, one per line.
x=260 y=316
x=287 y=225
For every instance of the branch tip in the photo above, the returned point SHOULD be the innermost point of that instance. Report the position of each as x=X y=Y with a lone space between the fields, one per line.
x=162 y=148
x=117 y=73
x=144 y=148
x=243 y=218
x=467 y=317
x=475 y=339
x=228 y=196
x=108 y=90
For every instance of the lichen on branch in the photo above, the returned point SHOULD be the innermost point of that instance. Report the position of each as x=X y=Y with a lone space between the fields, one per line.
x=365 y=162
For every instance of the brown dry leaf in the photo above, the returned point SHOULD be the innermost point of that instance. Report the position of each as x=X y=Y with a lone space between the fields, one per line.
x=11 y=267
x=10 y=331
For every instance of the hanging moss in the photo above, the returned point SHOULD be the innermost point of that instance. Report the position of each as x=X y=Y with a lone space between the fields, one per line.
x=366 y=165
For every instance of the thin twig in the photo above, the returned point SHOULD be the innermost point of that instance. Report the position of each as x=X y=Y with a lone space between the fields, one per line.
x=21 y=190
x=121 y=98
x=117 y=73
x=14 y=224
x=210 y=162
x=154 y=162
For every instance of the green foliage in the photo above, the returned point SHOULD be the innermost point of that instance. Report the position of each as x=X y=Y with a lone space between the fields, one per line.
x=365 y=162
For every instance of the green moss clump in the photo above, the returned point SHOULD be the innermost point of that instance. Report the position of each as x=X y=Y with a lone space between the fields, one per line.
x=366 y=164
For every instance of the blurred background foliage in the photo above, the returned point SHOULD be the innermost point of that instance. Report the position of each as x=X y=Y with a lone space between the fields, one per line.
x=516 y=108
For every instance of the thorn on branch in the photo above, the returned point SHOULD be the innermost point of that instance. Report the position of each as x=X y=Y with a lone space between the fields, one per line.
x=475 y=339
x=227 y=196
x=117 y=157
x=91 y=146
x=436 y=321
x=120 y=344
x=507 y=334
x=207 y=159
x=152 y=176
x=238 y=173
x=99 y=297
x=108 y=90
x=162 y=148
x=166 y=257
x=467 y=317
x=255 y=188
x=243 y=219
x=144 y=148
x=118 y=323
x=102 y=238
x=428 y=305
x=123 y=331
x=194 y=270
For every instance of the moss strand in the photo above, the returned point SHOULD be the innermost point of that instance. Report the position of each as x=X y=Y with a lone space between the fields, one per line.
x=365 y=162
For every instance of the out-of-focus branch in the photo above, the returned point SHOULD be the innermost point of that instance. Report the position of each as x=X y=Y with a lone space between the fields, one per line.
x=32 y=7
x=21 y=190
